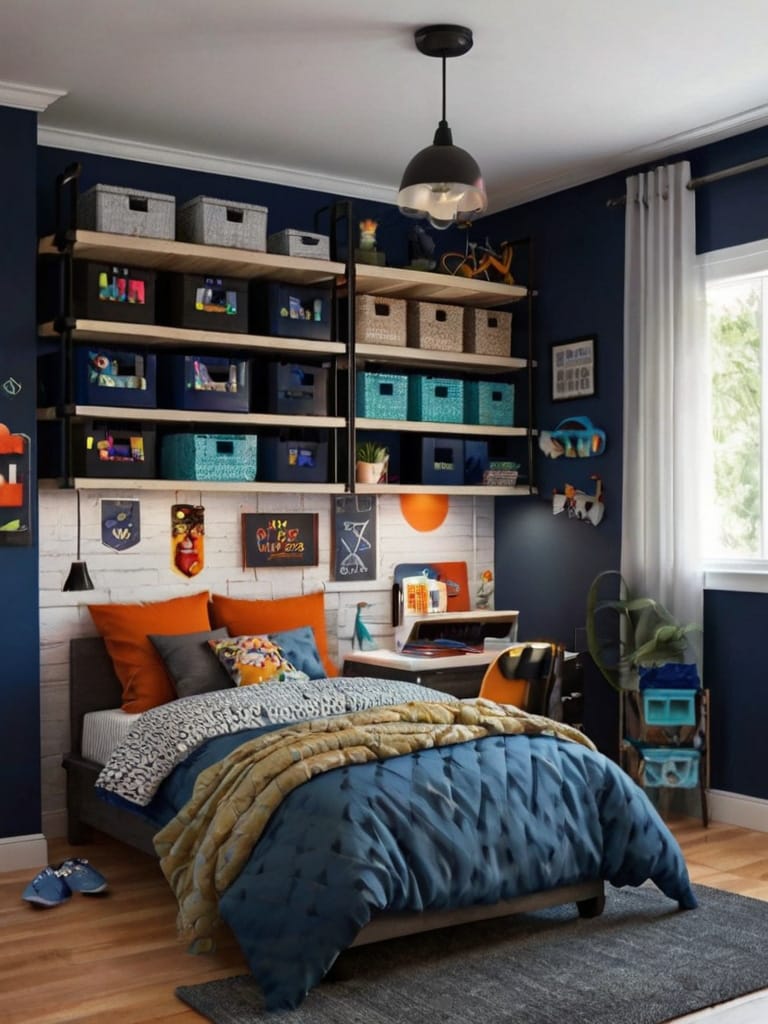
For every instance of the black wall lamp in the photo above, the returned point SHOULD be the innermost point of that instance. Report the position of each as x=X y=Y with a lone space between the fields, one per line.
x=443 y=182
x=79 y=577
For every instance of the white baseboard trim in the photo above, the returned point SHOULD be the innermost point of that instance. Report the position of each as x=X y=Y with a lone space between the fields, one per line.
x=23 y=852
x=735 y=809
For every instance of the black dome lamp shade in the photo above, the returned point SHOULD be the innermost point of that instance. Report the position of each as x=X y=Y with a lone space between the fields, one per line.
x=443 y=182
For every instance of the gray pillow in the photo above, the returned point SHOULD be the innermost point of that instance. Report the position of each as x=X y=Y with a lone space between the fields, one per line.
x=300 y=648
x=191 y=663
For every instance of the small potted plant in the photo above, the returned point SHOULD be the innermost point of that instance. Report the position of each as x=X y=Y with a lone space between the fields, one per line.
x=372 y=459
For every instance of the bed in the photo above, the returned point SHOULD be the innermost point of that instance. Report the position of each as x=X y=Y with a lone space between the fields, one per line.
x=570 y=817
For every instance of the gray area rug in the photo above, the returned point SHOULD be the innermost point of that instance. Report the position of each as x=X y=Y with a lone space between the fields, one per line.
x=641 y=962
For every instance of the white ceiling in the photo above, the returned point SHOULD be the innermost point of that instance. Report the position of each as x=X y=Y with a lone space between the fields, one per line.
x=333 y=94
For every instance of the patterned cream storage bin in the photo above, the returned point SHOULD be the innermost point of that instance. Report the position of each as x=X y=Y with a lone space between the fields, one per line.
x=435 y=327
x=124 y=211
x=210 y=221
x=380 y=321
x=487 y=332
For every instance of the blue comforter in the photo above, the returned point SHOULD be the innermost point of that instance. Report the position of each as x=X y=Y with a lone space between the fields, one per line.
x=476 y=822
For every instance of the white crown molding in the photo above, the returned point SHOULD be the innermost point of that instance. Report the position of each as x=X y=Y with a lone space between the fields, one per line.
x=28 y=97
x=714 y=131
x=125 y=149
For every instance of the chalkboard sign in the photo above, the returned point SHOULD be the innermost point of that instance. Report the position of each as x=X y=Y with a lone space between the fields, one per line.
x=277 y=539
x=354 y=537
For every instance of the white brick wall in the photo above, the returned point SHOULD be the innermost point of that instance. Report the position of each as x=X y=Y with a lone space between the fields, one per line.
x=144 y=573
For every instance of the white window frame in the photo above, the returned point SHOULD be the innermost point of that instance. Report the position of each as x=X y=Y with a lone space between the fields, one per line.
x=749 y=575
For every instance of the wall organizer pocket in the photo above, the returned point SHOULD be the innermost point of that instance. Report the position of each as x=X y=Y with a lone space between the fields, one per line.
x=576 y=438
x=580 y=505
x=14 y=488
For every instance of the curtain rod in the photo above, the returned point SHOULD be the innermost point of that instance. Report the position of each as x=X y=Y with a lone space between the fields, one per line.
x=707 y=179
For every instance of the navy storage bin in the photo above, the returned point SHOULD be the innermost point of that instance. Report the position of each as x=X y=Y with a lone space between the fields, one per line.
x=296 y=388
x=209 y=457
x=489 y=402
x=382 y=396
x=671 y=767
x=114 y=377
x=205 y=382
x=103 y=449
x=436 y=460
x=107 y=291
x=287 y=459
x=292 y=310
x=206 y=302
x=435 y=399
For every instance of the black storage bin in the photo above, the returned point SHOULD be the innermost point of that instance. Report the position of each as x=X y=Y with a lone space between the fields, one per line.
x=107 y=291
x=205 y=302
x=291 y=310
x=207 y=383
x=114 y=377
x=104 y=449
x=297 y=388
x=436 y=460
x=288 y=459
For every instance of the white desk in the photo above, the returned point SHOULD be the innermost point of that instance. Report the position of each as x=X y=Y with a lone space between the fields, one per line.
x=458 y=674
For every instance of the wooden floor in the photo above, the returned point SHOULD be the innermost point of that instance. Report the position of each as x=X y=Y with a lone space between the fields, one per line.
x=115 y=958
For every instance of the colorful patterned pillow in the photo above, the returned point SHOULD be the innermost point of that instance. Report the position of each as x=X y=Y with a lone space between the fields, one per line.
x=254 y=659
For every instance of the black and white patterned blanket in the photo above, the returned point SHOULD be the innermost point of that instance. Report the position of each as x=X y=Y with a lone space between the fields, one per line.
x=163 y=737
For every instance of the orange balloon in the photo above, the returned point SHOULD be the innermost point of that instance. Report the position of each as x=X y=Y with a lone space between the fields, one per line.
x=424 y=512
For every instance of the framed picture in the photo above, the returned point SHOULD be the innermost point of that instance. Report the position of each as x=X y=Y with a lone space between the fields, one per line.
x=277 y=540
x=354 y=537
x=573 y=368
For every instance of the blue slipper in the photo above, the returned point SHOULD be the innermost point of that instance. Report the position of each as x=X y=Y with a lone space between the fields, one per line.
x=80 y=876
x=47 y=889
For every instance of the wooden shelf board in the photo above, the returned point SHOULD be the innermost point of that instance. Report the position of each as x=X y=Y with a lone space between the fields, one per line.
x=478 y=490
x=258 y=486
x=402 y=283
x=412 y=426
x=191 y=258
x=194 y=416
x=467 y=361
x=157 y=334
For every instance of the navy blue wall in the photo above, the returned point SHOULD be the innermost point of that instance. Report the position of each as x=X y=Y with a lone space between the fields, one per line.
x=19 y=673
x=545 y=564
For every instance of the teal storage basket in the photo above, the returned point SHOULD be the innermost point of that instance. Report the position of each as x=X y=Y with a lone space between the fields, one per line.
x=224 y=457
x=435 y=399
x=671 y=767
x=669 y=707
x=489 y=402
x=382 y=396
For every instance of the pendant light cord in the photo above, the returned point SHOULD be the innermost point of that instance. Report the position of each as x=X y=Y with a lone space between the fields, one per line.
x=78 y=524
x=443 y=88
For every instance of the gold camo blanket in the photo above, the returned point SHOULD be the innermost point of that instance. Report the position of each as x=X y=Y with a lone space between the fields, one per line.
x=204 y=848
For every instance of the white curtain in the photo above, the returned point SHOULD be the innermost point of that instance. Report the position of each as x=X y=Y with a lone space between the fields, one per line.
x=664 y=394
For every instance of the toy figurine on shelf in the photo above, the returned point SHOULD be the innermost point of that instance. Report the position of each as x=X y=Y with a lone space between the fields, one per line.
x=367 y=251
x=484 y=595
x=361 y=635
x=421 y=249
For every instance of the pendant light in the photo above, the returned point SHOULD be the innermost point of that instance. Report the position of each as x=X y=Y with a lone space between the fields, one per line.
x=79 y=577
x=443 y=182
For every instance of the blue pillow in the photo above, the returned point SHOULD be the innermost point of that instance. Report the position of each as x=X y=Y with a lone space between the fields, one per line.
x=299 y=647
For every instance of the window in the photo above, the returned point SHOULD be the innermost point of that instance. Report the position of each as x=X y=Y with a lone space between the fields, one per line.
x=736 y=441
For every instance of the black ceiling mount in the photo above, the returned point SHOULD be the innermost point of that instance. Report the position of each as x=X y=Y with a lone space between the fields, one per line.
x=443 y=40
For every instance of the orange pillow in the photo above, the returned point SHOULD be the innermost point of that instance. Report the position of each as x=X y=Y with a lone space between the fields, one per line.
x=138 y=666
x=244 y=616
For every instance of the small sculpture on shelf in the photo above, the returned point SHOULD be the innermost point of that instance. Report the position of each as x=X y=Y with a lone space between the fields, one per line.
x=367 y=251
x=484 y=595
x=421 y=249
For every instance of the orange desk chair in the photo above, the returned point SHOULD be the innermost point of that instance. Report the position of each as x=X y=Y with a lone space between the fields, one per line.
x=523 y=675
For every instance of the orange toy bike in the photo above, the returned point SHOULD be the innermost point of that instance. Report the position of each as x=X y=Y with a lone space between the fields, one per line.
x=480 y=261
